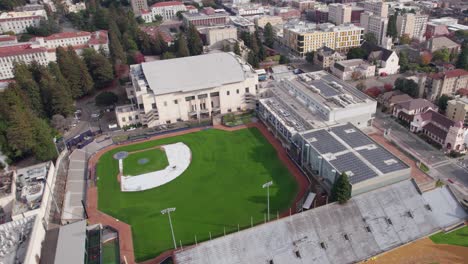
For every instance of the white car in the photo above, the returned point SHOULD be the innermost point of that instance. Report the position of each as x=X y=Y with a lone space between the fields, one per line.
x=112 y=126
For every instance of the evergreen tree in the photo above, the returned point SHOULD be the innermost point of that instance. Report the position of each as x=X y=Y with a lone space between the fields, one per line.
x=99 y=68
x=310 y=57
x=144 y=42
x=442 y=55
x=237 y=50
x=370 y=37
x=341 y=190
x=58 y=99
x=261 y=53
x=182 y=48
x=252 y=59
x=254 y=44
x=44 y=148
x=194 y=41
x=70 y=71
x=462 y=61
x=101 y=18
x=392 y=27
x=115 y=46
x=155 y=46
x=25 y=81
x=269 y=35
x=55 y=71
x=128 y=42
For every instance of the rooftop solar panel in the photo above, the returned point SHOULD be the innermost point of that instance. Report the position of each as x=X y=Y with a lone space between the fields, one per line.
x=383 y=160
x=350 y=162
x=323 y=142
x=352 y=136
x=325 y=89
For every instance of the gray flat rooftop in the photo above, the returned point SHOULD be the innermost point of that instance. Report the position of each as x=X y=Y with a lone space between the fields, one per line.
x=71 y=243
x=367 y=225
x=349 y=150
x=193 y=73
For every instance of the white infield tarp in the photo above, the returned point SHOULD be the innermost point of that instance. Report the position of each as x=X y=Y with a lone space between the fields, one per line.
x=178 y=156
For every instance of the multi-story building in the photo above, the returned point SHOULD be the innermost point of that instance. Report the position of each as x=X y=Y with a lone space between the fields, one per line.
x=7 y=40
x=339 y=13
x=319 y=15
x=450 y=22
x=261 y=21
x=448 y=82
x=17 y=22
x=208 y=17
x=457 y=110
x=286 y=13
x=167 y=10
x=248 y=10
x=42 y=49
x=438 y=43
x=326 y=57
x=162 y=92
x=303 y=5
x=375 y=25
x=356 y=12
x=353 y=69
x=377 y=7
x=138 y=6
x=413 y=25
x=385 y=60
x=243 y=24
x=301 y=37
x=216 y=35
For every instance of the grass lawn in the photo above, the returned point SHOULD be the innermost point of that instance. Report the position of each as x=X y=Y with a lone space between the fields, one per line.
x=458 y=237
x=110 y=253
x=156 y=160
x=221 y=188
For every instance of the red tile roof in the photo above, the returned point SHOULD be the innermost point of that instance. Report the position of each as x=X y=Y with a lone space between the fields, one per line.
x=64 y=35
x=19 y=50
x=455 y=73
x=99 y=37
x=7 y=38
x=168 y=3
x=145 y=11
x=190 y=7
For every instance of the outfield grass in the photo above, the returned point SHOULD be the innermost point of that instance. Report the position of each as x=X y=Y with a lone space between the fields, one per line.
x=221 y=188
x=157 y=160
x=458 y=237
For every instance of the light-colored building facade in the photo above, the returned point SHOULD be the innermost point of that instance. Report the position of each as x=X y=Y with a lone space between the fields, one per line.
x=386 y=61
x=301 y=37
x=17 y=22
x=243 y=24
x=206 y=18
x=303 y=5
x=377 y=7
x=353 y=69
x=413 y=25
x=138 y=6
x=457 y=110
x=248 y=10
x=167 y=10
x=215 y=36
x=42 y=49
x=339 y=14
x=447 y=83
x=162 y=92
x=261 y=21
x=326 y=57
x=375 y=25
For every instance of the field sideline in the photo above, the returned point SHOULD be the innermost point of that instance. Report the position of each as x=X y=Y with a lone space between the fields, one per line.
x=220 y=189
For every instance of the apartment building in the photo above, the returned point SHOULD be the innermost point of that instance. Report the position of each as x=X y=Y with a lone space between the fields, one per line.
x=377 y=7
x=303 y=5
x=207 y=17
x=17 y=22
x=413 y=25
x=261 y=21
x=42 y=49
x=448 y=82
x=167 y=10
x=248 y=10
x=216 y=35
x=457 y=110
x=302 y=37
x=339 y=13
x=375 y=25
x=326 y=57
x=139 y=6
x=353 y=69
x=162 y=92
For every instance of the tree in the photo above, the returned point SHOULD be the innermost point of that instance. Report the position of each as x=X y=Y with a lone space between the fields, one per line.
x=462 y=61
x=179 y=15
x=388 y=87
x=370 y=37
x=404 y=62
x=310 y=57
x=341 y=190
x=355 y=75
x=283 y=59
x=407 y=86
x=128 y=42
x=405 y=39
x=99 y=68
x=106 y=99
x=245 y=36
x=237 y=50
x=145 y=43
x=426 y=58
x=252 y=59
x=168 y=55
x=392 y=27
x=59 y=122
x=44 y=149
x=361 y=86
x=181 y=47
x=269 y=35
x=57 y=98
x=443 y=101
x=45 y=28
x=115 y=47
x=442 y=55
x=194 y=42
x=356 y=53
x=26 y=83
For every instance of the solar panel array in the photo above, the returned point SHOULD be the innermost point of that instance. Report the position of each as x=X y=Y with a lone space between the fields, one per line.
x=349 y=88
x=325 y=142
x=350 y=162
x=354 y=139
x=378 y=156
x=325 y=89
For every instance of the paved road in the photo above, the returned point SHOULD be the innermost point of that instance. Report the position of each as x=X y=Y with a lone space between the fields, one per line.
x=441 y=166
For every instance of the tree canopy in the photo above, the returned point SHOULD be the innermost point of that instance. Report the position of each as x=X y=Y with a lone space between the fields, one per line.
x=106 y=99
x=462 y=61
x=407 y=86
x=356 y=53
x=341 y=190
x=269 y=35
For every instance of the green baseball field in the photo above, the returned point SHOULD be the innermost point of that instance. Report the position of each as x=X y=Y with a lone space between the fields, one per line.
x=221 y=189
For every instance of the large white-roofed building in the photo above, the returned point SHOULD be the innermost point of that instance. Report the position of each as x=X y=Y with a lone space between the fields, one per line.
x=189 y=88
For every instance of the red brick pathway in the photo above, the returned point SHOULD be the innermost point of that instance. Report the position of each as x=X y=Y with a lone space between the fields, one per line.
x=125 y=232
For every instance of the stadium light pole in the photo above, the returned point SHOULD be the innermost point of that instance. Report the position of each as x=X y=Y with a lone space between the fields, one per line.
x=168 y=212
x=267 y=186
